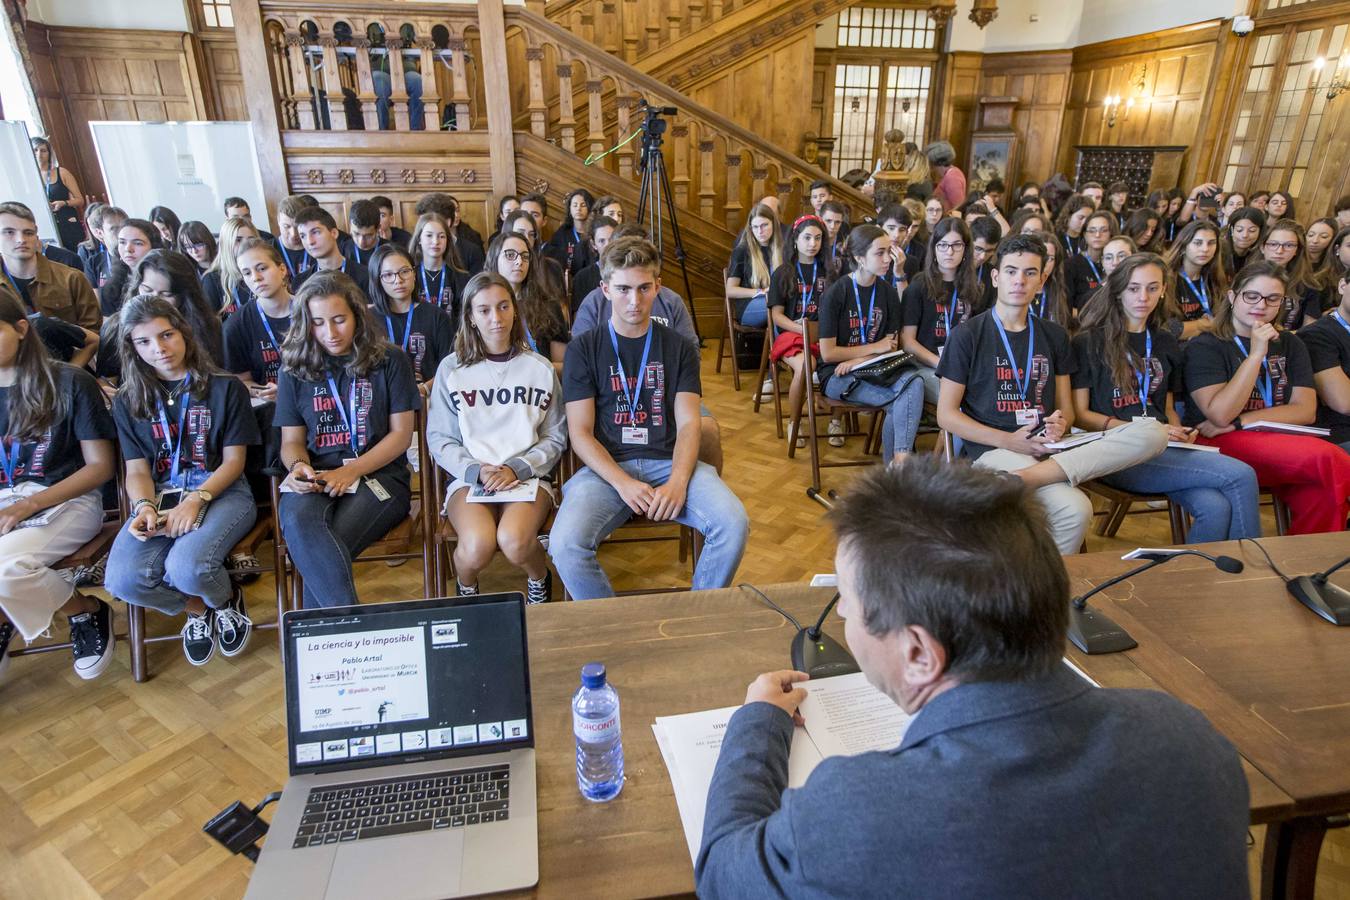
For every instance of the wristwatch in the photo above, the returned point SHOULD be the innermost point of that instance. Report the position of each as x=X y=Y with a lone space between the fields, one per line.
x=204 y=495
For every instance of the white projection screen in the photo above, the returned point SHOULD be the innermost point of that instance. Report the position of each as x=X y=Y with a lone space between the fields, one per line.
x=20 y=179
x=190 y=167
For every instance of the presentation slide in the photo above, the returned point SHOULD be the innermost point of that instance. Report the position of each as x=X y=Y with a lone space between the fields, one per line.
x=20 y=179
x=369 y=678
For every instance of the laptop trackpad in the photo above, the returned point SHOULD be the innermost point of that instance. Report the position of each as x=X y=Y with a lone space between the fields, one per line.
x=412 y=866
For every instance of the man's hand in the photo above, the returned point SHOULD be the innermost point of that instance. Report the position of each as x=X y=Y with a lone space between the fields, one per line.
x=637 y=494
x=777 y=688
x=667 y=501
x=1022 y=441
x=16 y=512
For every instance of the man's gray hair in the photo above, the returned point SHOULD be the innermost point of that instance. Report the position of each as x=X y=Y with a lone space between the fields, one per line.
x=940 y=153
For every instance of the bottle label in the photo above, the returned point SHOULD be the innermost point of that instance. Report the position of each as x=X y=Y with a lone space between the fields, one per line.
x=595 y=731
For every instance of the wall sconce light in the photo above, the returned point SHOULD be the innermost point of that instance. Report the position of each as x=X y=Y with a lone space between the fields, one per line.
x=1340 y=77
x=854 y=104
x=1112 y=106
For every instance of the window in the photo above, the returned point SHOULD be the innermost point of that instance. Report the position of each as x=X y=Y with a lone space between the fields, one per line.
x=900 y=29
x=217 y=14
x=871 y=100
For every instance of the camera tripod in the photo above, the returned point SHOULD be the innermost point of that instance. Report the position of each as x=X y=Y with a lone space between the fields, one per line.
x=655 y=195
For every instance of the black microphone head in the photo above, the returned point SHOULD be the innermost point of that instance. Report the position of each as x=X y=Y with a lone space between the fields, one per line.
x=1228 y=564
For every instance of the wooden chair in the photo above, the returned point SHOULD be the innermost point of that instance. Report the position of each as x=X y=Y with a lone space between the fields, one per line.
x=850 y=412
x=771 y=371
x=410 y=539
x=730 y=329
x=1119 y=503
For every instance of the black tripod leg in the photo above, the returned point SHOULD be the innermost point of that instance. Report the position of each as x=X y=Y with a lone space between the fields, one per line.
x=679 y=244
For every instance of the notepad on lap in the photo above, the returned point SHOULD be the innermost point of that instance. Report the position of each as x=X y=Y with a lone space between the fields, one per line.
x=1283 y=428
x=1182 y=445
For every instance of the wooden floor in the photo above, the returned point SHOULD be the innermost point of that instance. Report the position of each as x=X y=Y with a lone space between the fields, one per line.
x=104 y=785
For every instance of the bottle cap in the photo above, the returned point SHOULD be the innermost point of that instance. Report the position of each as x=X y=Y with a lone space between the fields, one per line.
x=593 y=675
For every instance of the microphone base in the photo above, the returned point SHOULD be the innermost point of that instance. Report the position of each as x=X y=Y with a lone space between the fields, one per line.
x=1094 y=633
x=1328 y=600
x=822 y=657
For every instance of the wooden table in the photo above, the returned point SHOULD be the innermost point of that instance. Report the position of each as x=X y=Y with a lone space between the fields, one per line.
x=1270 y=676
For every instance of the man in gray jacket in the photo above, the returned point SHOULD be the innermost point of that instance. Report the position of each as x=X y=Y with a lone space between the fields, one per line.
x=1015 y=778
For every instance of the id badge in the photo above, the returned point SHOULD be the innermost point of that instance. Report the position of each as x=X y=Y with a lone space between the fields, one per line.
x=168 y=499
x=1027 y=416
x=377 y=489
x=1144 y=419
x=634 y=435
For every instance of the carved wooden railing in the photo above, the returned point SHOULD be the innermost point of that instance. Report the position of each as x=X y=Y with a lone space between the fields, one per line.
x=633 y=29
x=717 y=169
x=326 y=58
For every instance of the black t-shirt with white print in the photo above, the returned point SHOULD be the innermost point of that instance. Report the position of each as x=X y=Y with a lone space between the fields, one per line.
x=444 y=288
x=1328 y=343
x=357 y=273
x=1189 y=295
x=929 y=314
x=387 y=389
x=842 y=311
x=797 y=292
x=740 y=267
x=430 y=336
x=222 y=418
x=58 y=455
x=591 y=372
x=1164 y=373
x=249 y=348
x=1211 y=360
x=1084 y=276
x=975 y=357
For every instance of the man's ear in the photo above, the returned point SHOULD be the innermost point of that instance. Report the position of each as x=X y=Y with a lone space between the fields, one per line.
x=923 y=658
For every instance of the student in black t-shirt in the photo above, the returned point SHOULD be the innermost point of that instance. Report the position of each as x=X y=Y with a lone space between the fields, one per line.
x=568 y=246
x=860 y=320
x=1072 y=219
x=1084 y=270
x=1006 y=393
x=599 y=233
x=467 y=243
x=795 y=290
x=1195 y=265
x=1285 y=244
x=135 y=238
x=293 y=252
x=421 y=330
x=364 y=221
x=389 y=232
x=185 y=430
x=985 y=233
x=1052 y=301
x=196 y=242
x=610 y=208
x=1130 y=368
x=237 y=207
x=511 y=256
x=1328 y=343
x=548 y=271
x=941 y=297
x=1245 y=370
x=440 y=272
x=632 y=394
x=173 y=276
x=899 y=225
x=758 y=251
x=346 y=406
x=254 y=335
x=1117 y=250
x=223 y=283
x=56 y=454
x=319 y=233
x=98 y=264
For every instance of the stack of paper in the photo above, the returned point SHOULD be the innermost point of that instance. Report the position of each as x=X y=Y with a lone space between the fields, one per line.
x=1285 y=428
x=844 y=716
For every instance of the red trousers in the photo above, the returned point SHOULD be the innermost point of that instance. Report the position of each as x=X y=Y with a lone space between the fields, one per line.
x=1310 y=475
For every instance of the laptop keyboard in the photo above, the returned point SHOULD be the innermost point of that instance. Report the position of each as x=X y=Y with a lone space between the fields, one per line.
x=371 y=809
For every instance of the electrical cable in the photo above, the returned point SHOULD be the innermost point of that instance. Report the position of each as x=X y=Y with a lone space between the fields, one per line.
x=593 y=158
x=1270 y=562
x=774 y=606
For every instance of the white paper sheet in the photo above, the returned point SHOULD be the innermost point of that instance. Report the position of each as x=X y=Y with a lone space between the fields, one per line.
x=525 y=491
x=846 y=716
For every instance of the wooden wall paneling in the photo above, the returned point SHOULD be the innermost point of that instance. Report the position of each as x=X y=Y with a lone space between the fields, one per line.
x=958 y=90
x=224 y=79
x=768 y=93
x=52 y=106
x=1040 y=82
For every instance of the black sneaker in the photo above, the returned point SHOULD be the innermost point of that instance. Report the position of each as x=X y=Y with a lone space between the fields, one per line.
x=233 y=626
x=540 y=591
x=6 y=635
x=92 y=640
x=199 y=638
x=465 y=590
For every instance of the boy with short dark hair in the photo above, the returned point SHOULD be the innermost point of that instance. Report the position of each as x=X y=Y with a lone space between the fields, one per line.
x=318 y=231
x=364 y=221
x=389 y=232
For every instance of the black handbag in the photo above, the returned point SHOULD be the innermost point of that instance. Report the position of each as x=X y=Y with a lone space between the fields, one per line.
x=885 y=372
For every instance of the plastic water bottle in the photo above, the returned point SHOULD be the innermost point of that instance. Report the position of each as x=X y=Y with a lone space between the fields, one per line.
x=595 y=723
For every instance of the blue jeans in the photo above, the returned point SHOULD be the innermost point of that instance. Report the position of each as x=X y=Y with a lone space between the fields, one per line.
x=1219 y=492
x=904 y=397
x=324 y=534
x=591 y=510
x=162 y=572
x=384 y=89
x=756 y=312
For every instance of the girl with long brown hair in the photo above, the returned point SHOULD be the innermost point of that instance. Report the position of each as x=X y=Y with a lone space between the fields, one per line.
x=511 y=256
x=1284 y=244
x=758 y=252
x=1194 y=264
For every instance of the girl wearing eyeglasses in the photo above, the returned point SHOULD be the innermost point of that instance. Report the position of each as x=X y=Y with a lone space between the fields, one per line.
x=421 y=330
x=1085 y=268
x=1194 y=263
x=511 y=256
x=197 y=243
x=1283 y=245
x=1245 y=370
x=941 y=297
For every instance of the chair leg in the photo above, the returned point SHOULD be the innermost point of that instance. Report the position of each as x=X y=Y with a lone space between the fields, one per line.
x=1118 y=514
x=1104 y=520
x=813 y=441
x=777 y=400
x=721 y=349
x=1176 y=513
x=696 y=550
x=136 y=638
x=1281 y=516
x=763 y=371
x=684 y=543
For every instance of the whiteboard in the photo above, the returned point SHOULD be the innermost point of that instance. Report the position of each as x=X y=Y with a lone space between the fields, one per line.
x=20 y=179
x=190 y=167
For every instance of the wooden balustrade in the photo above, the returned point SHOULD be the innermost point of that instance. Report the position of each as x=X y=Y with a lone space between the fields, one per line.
x=634 y=29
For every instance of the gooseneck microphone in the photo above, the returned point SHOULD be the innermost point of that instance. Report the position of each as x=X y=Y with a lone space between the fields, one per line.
x=819 y=655
x=1330 y=601
x=1094 y=633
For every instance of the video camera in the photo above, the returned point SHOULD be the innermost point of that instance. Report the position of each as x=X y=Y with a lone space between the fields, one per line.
x=653 y=126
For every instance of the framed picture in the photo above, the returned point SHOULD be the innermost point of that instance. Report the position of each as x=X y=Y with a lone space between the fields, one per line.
x=992 y=155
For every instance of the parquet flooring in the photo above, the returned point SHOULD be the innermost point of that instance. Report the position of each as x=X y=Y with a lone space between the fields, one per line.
x=105 y=785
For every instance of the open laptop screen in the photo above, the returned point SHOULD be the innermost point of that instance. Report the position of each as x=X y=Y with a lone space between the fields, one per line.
x=404 y=682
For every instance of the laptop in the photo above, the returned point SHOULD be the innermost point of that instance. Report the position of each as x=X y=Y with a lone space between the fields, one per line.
x=411 y=743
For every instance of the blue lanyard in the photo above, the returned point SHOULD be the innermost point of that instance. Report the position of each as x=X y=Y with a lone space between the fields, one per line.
x=636 y=395
x=1096 y=273
x=10 y=463
x=947 y=311
x=1266 y=387
x=864 y=323
x=1145 y=378
x=175 y=448
x=1336 y=314
x=1023 y=382
x=801 y=279
x=1200 y=293
x=407 y=328
x=1040 y=306
x=529 y=339
x=356 y=251
x=427 y=295
x=348 y=421
x=286 y=255
x=267 y=326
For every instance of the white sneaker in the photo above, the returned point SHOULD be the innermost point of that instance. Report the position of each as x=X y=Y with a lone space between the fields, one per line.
x=766 y=389
x=801 y=441
x=836 y=433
